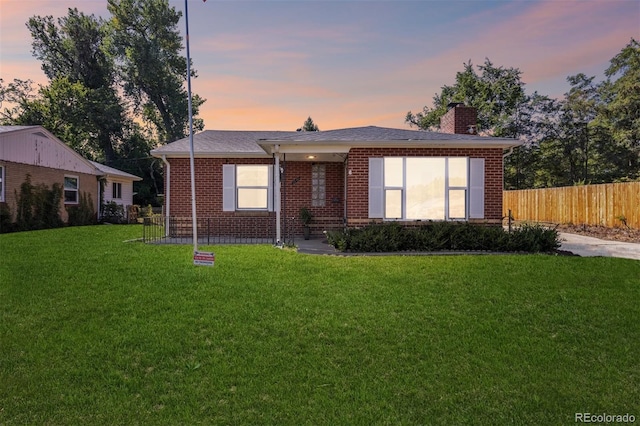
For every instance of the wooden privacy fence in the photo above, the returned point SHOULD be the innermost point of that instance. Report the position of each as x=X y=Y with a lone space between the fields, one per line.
x=604 y=204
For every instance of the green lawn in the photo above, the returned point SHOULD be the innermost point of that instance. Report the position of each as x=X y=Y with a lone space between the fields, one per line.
x=95 y=330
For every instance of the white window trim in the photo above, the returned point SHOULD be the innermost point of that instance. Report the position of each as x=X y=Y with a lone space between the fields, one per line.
x=474 y=190
x=230 y=189
x=113 y=193
x=77 y=190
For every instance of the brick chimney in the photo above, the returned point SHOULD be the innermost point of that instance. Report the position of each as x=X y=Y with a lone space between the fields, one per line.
x=459 y=119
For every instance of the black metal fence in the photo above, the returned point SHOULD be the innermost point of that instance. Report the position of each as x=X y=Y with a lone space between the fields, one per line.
x=215 y=230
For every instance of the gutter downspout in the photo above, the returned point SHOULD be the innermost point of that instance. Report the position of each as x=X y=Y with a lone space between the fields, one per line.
x=276 y=193
x=345 y=165
x=167 y=195
x=99 y=198
x=508 y=153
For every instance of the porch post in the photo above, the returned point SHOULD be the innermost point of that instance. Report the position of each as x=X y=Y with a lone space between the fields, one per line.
x=276 y=193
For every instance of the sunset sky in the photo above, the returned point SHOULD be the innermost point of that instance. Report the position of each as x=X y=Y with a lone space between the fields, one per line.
x=267 y=65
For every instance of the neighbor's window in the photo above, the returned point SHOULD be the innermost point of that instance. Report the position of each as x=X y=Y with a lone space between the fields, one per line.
x=318 y=185
x=426 y=188
x=116 y=190
x=71 y=189
x=252 y=186
x=1 y=183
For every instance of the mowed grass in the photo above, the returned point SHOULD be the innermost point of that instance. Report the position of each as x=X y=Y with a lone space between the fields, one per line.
x=96 y=330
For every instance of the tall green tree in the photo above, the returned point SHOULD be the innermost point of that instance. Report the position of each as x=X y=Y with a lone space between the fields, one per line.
x=622 y=112
x=309 y=126
x=496 y=92
x=14 y=97
x=148 y=46
x=76 y=58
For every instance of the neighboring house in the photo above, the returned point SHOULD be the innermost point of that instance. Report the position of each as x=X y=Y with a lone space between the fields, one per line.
x=118 y=185
x=34 y=151
x=259 y=180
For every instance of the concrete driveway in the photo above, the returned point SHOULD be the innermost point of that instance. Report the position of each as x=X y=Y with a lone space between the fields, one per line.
x=589 y=246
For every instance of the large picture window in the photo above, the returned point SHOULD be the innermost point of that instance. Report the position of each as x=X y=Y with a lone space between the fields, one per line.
x=425 y=188
x=71 y=190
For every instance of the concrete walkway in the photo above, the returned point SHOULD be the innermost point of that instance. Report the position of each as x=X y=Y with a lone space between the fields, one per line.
x=576 y=244
x=589 y=246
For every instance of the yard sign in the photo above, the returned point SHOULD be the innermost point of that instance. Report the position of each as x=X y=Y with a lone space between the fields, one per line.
x=203 y=258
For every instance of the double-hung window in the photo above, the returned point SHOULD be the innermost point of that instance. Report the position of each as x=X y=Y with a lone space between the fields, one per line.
x=247 y=187
x=71 y=189
x=425 y=188
x=252 y=185
x=116 y=190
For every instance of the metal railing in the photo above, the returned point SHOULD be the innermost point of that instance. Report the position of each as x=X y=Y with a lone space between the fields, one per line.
x=214 y=230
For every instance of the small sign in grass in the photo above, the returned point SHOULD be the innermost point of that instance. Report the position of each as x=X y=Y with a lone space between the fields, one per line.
x=204 y=258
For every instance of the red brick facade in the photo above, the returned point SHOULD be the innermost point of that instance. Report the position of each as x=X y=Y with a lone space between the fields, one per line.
x=358 y=179
x=15 y=174
x=296 y=191
x=459 y=119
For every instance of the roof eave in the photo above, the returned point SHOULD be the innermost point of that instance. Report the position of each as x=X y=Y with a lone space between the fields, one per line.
x=182 y=154
x=345 y=146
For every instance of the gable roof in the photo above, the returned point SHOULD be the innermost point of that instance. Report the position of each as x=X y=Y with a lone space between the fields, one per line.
x=111 y=172
x=232 y=143
x=92 y=166
x=9 y=129
x=36 y=146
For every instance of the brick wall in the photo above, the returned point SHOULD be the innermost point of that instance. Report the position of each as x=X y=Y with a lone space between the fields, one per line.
x=358 y=179
x=458 y=119
x=296 y=190
x=15 y=174
x=296 y=193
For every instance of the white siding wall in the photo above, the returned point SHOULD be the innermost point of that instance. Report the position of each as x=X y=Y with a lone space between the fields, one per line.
x=127 y=192
x=37 y=149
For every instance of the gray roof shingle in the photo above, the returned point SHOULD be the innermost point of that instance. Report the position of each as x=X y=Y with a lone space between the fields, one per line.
x=114 y=172
x=376 y=134
x=248 y=143
x=221 y=142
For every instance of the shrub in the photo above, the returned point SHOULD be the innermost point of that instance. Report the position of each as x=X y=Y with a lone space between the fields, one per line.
x=6 y=225
x=438 y=236
x=147 y=211
x=112 y=212
x=83 y=213
x=38 y=207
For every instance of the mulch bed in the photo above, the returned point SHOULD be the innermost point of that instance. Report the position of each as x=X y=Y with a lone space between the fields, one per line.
x=627 y=235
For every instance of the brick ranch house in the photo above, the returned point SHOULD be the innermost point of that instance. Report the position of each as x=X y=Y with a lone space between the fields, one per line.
x=34 y=151
x=256 y=182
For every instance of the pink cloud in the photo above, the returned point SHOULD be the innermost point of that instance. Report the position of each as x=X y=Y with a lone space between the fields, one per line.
x=546 y=40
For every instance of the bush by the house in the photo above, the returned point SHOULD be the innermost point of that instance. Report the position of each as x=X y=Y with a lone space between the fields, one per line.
x=113 y=213
x=6 y=224
x=441 y=236
x=83 y=213
x=38 y=207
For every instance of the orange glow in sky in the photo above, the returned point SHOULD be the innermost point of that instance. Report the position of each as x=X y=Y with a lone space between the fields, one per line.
x=268 y=65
